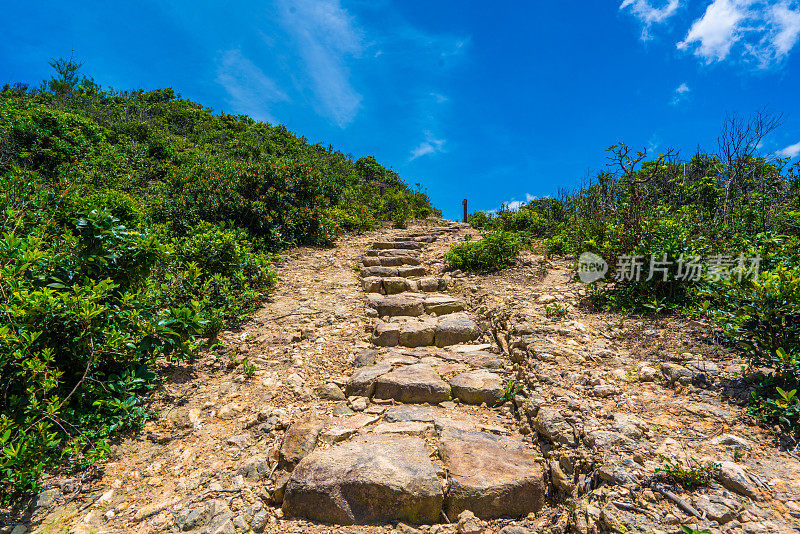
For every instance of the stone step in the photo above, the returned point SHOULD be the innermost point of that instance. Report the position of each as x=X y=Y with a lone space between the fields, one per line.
x=404 y=271
x=451 y=329
x=392 y=252
x=425 y=238
x=371 y=479
x=385 y=245
x=414 y=304
x=389 y=261
x=394 y=284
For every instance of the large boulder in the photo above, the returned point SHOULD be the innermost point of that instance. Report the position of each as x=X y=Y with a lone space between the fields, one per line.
x=477 y=387
x=491 y=476
x=416 y=384
x=455 y=328
x=368 y=480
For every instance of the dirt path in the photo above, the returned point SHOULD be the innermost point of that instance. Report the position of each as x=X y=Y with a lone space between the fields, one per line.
x=332 y=403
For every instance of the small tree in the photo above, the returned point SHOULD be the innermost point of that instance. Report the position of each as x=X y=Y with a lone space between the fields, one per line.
x=66 y=77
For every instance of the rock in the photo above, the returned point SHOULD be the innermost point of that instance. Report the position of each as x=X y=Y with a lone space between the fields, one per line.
x=396 y=305
x=606 y=390
x=19 y=529
x=709 y=369
x=257 y=517
x=367 y=480
x=341 y=408
x=491 y=476
x=443 y=304
x=372 y=284
x=551 y=424
x=430 y=284
x=241 y=441
x=455 y=328
x=416 y=384
x=560 y=480
x=398 y=245
x=714 y=511
x=398 y=358
x=408 y=271
x=386 y=334
x=365 y=358
x=603 y=439
x=731 y=441
x=515 y=529
x=411 y=428
x=152 y=509
x=733 y=477
x=417 y=333
x=676 y=374
x=281 y=479
x=468 y=523
x=629 y=426
x=358 y=404
x=48 y=498
x=395 y=284
x=619 y=471
x=330 y=391
x=477 y=387
x=299 y=440
x=378 y=271
x=362 y=382
x=346 y=427
x=647 y=373
x=483 y=360
x=440 y=417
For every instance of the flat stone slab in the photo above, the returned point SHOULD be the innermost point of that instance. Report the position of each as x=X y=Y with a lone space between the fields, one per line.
x=395 y=305
x=454 y=329
x=490 y=476
x=440 y=417
x=412 y=384
x=392 y=252
x=431 y=284
x=390 y=261
x=346 y=427
x=411 y=428
x=368 y=480
x=399 y=245
x=443 y=304
x=477 y=387
x=395 y=359
x=361 y=382
x=484 y=360
x=408 y=271
x=379 y=271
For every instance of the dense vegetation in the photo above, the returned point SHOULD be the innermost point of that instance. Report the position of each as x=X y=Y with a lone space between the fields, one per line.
x=693 y=230
x=134 y=222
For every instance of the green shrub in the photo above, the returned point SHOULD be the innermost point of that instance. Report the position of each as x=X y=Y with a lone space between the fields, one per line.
x=493 y=252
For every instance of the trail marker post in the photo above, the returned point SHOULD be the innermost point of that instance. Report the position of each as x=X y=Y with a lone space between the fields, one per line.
x=465 y=209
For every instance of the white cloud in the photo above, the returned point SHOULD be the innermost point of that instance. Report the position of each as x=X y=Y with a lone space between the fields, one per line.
x=431 y=145
x=681 y=93
x=767 y=29
x=440 y=98
x=326 y=35
x=514 y=205
x=249 y=89
x=717 y=30
x=649 y=14
x=791 y=151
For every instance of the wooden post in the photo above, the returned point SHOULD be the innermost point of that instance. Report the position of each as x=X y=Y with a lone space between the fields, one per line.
x=465 y=209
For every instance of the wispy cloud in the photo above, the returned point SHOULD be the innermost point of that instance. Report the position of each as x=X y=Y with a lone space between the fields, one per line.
x=326 y=36
x=249 y=89
x=681 y=93
x=649 y=14
x=791 y=151
x=766 y=29
x=431 y=145
x=514 y=205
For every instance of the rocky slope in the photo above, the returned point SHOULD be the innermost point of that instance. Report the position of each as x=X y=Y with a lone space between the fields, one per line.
x=376 y=390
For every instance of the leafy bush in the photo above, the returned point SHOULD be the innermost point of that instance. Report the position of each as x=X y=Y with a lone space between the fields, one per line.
x=134 y=222
x=493 y=252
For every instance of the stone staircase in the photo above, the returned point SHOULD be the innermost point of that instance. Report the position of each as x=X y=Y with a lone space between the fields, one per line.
x=421 y=439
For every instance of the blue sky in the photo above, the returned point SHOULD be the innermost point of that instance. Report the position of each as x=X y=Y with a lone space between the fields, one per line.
x=490 y=101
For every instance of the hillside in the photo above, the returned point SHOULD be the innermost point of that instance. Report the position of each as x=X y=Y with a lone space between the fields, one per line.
x=135 y=225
